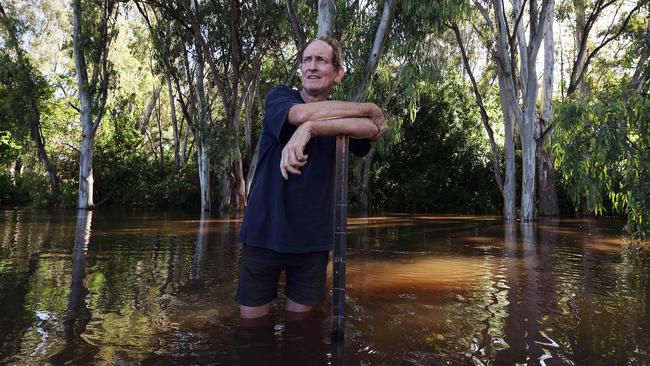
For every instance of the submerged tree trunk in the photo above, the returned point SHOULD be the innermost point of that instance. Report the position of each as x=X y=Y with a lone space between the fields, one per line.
x=86 y=179
x=546 y=183
x=202 y=123
x=511 y=112
x=92 y=96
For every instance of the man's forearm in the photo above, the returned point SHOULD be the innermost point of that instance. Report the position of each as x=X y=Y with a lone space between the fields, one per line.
x=359 y=128
x=330 y=109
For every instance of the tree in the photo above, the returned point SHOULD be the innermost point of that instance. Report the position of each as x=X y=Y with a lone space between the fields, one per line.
x=92 y=34
x=518 y=89
x=31 y=91
x=602 y=137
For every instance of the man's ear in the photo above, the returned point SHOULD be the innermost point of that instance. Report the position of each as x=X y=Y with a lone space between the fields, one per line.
x=339 y=74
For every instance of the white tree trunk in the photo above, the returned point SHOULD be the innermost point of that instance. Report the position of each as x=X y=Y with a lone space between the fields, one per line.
x=202 y=124
x=510 y=109
x=546 y=190
x=326 y=15
x=510 y=178
x=86 y=164
x=172 y=105
x=88 y=133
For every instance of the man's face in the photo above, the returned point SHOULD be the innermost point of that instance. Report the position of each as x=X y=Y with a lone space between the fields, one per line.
x=318 y=71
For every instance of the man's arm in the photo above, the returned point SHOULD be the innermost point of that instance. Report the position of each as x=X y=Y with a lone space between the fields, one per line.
x=338 y=110
x=293 y=156
x=330 y=109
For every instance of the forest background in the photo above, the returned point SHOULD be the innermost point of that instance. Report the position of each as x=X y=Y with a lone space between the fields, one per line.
x=523 y=108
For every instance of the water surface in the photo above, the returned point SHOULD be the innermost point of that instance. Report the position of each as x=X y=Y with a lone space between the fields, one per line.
x=157 y=288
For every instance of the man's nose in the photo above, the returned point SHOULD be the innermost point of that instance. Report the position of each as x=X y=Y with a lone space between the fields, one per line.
x=311 y=65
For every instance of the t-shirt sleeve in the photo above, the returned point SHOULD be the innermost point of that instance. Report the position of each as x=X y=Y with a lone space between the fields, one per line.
x=359 y=147
x=276 y=110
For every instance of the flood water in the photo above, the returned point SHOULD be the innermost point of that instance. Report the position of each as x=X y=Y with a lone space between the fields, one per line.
x=136 y=287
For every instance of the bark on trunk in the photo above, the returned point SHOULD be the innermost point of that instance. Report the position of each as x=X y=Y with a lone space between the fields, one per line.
x=581 y=46
x=546 y=188
x=172 y=106
x=381 y=35
x=151 y=106
x=160 y=140
x=202 y=125
x=511 y=112
x=326 y=14
x=530 y=120
x=96 y=101
x=37 y=136
x=86 y=167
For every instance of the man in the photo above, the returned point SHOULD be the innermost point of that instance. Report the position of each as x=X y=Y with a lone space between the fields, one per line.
x=288 y=223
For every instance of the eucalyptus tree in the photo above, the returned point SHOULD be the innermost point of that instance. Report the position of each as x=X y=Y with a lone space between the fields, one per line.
x=30 y=90
x=602 y=136
x=515 y=55
x=586 y=18
x=93 y=30
x=232 y=51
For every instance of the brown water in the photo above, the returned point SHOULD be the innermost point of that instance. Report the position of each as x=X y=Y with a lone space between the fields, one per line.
x=137 y=287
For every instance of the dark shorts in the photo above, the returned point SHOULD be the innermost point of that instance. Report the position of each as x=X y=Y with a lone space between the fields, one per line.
x=260 y=270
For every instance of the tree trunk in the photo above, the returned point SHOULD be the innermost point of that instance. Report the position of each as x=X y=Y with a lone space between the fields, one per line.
x=528 y=147
x=86 y=164
x=37 y=136
x=172 y=105
x=88 y=134
x=160 y=139
x=150 y=108
x=202 y=125
x=96 y=91
x=538 y=21
x=546 y=189
x=326 y=15
x=581 y=56
x=511 y=113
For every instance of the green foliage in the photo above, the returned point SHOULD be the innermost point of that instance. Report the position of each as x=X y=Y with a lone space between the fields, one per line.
x=602 y=149
x=441 y=164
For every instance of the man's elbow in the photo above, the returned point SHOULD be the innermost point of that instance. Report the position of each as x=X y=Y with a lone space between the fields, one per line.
x=297 y=115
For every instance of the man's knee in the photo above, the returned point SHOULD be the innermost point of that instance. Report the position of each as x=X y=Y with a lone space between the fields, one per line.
x=250 y=312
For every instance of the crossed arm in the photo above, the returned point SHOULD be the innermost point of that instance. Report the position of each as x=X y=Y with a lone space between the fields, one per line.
x=328 y=118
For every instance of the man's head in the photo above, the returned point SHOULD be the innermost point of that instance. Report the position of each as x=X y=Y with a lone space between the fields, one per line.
x=322 y=67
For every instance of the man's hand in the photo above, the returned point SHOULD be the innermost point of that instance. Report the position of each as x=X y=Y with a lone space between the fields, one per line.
x=378 y=119
x=293 y=156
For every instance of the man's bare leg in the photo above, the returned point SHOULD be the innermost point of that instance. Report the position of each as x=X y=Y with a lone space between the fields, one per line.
x=251 y=312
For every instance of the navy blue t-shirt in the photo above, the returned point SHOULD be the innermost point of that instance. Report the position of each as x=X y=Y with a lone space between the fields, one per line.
x=296 y=215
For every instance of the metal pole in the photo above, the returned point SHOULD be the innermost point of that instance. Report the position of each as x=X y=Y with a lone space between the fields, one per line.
x=340 y=238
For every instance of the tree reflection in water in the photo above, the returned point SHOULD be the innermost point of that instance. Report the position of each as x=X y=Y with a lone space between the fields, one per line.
x=77 y=314
x=158 y=289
